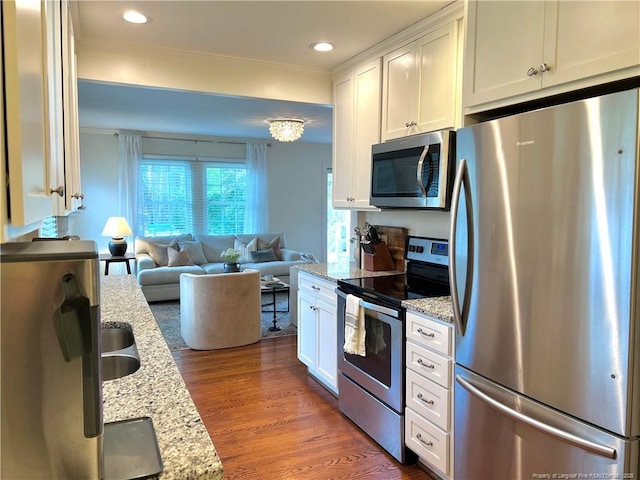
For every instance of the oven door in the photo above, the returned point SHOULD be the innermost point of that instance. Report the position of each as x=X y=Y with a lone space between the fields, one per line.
x=381 y=371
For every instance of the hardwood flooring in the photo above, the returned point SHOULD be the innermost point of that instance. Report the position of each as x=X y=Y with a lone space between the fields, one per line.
x=269 y=420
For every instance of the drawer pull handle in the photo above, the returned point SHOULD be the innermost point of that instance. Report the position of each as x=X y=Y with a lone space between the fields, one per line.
x=428 y=444
x=315 y=288
x=421 y=363
x=428 y=402
x=430 y=335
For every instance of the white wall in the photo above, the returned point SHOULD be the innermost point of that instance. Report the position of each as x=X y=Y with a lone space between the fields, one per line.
x=296 y=178
x=421 y=223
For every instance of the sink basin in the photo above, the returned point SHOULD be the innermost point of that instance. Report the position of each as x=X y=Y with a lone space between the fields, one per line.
x=114 y=339
x=119 y=353
x=118 y=366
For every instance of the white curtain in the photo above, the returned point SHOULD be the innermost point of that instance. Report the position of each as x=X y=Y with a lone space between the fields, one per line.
x=129 y=155
x=256 y=217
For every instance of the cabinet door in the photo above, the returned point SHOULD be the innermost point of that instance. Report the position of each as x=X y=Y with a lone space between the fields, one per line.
x=26 y=110
x=73 y=190
x=327 y=367
x=342 y=141
x=436 y=59
x=398 y=93
x=307 y=330
x=504 y=40
x=583 y=39
x=56 y=107
x=367 y=80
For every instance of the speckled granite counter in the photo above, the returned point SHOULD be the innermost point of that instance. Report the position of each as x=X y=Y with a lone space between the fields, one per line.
x=438 y=307
x=156 y=390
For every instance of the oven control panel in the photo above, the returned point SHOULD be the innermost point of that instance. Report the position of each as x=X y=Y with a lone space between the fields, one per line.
x=430 y=250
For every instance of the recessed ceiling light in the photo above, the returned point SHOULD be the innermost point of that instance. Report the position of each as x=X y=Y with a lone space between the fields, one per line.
x=321 y=46
x=135 y=17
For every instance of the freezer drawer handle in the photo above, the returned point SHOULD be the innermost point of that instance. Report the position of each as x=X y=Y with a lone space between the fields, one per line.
x=428 y=444
x=428 y=402
x=422 y=332
x=421 y=363
x=533 y=423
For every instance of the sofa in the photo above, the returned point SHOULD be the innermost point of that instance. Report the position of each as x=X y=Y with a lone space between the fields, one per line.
x=161 y=260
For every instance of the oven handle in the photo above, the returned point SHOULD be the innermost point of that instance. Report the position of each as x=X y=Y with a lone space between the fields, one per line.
x=372 y=306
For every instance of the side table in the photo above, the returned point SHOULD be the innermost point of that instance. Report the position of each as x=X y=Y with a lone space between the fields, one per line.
x=274 y=287
x=108 y=259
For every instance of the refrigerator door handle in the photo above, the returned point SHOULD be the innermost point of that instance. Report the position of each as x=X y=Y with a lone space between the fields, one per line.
x=567 y=437
x=460 y=312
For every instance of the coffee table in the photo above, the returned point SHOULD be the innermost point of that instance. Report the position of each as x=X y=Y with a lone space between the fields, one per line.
x=273 y=287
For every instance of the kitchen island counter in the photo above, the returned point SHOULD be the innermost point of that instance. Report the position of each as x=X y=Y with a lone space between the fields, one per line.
x=156 y=390
x=437 y=307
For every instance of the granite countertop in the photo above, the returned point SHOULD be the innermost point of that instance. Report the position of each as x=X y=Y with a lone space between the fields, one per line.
x=156 y=390
x=437 y=307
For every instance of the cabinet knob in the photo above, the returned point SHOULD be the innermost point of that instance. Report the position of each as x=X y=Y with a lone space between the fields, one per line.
x=78 y=196
x=59 y=191
x=410 y=124
x=532 y=72
x=544 y=67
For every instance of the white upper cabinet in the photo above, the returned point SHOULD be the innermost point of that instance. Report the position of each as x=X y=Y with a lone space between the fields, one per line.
x=73 y=192
x=356 y=127
x=26 y=111
x=419 y=84
x=519 y=51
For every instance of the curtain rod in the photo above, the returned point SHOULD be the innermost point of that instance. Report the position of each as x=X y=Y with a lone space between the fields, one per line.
x=193 y=140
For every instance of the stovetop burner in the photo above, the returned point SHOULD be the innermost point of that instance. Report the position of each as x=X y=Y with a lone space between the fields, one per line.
x=424 y=278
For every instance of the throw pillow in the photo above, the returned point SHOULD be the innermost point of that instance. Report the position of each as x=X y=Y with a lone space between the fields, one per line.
x=195 y=251
x=179 y=258
x=260 y=256
x=246 y=250
x=273 y=244
x=158 y=252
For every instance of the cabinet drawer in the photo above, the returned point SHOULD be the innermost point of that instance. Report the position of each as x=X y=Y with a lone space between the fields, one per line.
x=428 y=441
x=428 y=399
x=317 y=287
x=429 y=364
x=429 y=333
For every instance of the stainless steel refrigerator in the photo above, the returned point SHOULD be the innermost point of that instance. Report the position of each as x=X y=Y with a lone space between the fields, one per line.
x=544 y=276
x=51 y=395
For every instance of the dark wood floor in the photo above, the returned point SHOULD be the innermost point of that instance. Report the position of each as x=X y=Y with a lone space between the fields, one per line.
x=269 y=420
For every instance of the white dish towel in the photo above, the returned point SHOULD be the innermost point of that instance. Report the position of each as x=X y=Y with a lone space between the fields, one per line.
x=354 y=331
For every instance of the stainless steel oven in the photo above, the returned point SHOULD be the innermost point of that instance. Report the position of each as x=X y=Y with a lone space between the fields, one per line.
x=371 y=388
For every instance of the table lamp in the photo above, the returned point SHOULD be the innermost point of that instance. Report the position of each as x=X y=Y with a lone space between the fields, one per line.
x=117 y=228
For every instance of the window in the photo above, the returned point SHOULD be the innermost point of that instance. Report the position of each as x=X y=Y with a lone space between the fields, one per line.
x=338 y=228
x=184 y=196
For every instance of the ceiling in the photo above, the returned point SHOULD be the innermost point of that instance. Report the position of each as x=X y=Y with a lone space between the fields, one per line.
x=278 y=32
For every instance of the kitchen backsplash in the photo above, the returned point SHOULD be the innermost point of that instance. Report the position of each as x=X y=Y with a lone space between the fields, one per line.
x=421 y=223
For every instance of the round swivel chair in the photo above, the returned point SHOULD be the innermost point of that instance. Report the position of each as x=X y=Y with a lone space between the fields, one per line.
x=220 y=310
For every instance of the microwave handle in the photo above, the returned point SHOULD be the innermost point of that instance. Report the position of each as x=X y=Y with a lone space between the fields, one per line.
x=423 y=188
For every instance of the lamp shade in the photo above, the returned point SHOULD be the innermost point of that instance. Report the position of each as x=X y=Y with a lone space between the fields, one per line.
x=116 y=228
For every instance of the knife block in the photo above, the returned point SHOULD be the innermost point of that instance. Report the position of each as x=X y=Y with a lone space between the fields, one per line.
x=380 y=260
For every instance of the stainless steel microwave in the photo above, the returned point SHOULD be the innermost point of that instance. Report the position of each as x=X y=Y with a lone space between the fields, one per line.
x=413 y=172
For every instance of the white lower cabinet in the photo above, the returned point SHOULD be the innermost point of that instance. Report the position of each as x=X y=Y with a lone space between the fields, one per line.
x=429 y=392
x=318 y=328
